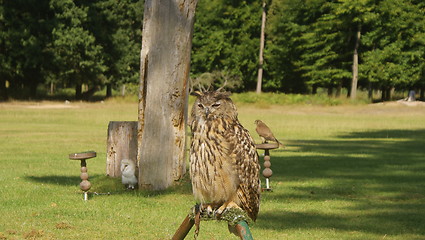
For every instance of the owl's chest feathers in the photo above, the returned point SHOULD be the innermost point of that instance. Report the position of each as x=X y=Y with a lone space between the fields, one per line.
x=213 y=172
x=210 y=140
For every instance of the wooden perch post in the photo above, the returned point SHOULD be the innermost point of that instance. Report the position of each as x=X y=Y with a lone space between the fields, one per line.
x=236 y=218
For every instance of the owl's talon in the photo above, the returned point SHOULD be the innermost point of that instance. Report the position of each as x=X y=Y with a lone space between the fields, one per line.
x=226 y=206
x=209 y=210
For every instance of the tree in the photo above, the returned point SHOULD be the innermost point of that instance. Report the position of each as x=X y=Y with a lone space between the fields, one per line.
x=165 y=64
x=396 y=46
x=287 y=21
x=77 y=56
x=25 y=35
x=120 y=40
x=226 y=39
x=329 y=54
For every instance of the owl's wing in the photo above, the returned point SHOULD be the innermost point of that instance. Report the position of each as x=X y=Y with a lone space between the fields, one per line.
x=248 y=170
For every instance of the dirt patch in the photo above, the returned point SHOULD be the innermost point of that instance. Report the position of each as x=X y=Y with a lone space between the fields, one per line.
x=51 y=106
x=402 y=103
x=39 y=105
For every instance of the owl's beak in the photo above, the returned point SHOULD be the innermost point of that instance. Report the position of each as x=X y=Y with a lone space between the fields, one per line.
x=207 y=111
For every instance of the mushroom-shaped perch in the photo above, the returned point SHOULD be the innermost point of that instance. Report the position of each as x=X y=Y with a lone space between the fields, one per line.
x=85 y=185
x=267 y=172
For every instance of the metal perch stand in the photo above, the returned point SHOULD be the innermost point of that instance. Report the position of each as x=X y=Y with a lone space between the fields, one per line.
x=85 y=185
x=267 y=172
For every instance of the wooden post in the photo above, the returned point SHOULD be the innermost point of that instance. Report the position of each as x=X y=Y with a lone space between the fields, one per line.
x=121 y=144
x=261 y=58
x=163 y=93
x=236 y=219
x=184 y=228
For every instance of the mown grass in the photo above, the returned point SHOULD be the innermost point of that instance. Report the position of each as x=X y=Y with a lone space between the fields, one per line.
x=347 y=172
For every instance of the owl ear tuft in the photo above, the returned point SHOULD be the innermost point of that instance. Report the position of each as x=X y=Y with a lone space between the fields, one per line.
x=224 y=94
x=197 y=93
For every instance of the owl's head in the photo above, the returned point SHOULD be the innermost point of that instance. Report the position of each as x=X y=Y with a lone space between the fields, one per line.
x=212 y=105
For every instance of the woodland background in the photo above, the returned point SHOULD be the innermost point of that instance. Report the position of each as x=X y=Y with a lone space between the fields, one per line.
x=59 y=47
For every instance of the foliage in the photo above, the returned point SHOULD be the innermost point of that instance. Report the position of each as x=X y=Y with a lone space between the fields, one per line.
x=121 y=39
x=226 y=38
x=25 y=34
x=77 y=55
x=309 y=44
x=320 y=36
x=396 y=43
x=67 y=43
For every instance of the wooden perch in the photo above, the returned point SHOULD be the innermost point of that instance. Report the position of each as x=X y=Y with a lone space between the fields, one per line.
x=236 y=218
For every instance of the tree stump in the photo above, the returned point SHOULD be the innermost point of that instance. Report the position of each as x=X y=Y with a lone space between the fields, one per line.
x=122 y=144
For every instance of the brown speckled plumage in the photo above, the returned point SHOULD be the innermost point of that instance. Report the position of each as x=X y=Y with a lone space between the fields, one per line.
x=224 y=163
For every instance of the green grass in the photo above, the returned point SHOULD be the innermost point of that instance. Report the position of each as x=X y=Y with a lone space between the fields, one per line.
x=347 y=172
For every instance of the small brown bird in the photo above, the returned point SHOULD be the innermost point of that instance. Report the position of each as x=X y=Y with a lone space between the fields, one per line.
x=265 y=133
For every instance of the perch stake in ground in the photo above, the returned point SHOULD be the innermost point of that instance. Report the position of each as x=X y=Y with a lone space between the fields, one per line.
x=267 y=172
x=85 y=185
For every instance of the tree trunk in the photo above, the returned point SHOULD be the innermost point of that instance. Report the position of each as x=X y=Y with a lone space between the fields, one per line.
x=370 y=91
x=78 y=91
x=121 y=144
x=123 y=90
x=355 y=65
x=163 y=93
x=383 y=94
x=330 y=91
x=261 y=58
x=338 y=89
x=314 y=89
x=387 y=93
x=108 y=90
x=3 y=90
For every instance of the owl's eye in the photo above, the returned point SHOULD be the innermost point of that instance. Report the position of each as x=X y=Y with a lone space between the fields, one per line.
x=200 y=105
x=217 y=104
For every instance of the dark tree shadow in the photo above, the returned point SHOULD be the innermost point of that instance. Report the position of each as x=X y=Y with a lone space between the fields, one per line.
x=102 y=184
x=55 y=180
x=382 y=173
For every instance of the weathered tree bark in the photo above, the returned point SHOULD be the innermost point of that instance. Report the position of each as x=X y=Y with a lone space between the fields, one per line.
x=163 y=93
x=121 y=144
x=261 y=58
x=355 y=65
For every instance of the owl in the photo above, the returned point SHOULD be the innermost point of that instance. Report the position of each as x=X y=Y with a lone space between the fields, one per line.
x=128 y=173
x=224 y=166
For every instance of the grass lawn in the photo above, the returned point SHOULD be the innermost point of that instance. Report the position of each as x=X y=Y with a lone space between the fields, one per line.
x=347 y=172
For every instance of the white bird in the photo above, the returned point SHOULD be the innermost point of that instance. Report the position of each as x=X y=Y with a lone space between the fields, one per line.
x=128 y=173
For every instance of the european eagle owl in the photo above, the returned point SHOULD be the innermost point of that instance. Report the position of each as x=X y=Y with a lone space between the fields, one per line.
x=224 y=166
